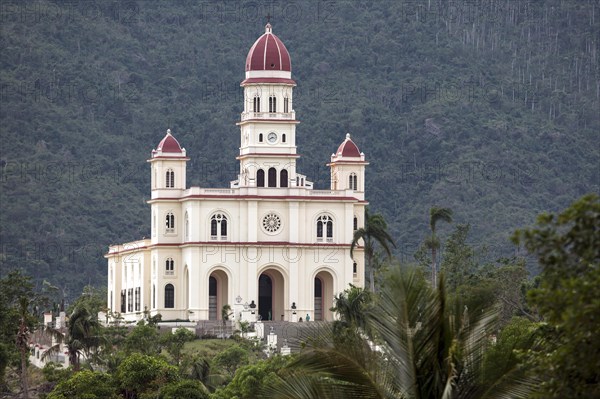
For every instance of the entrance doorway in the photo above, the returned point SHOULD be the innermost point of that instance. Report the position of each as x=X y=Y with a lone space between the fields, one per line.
x=271 y=304
x=217 y=294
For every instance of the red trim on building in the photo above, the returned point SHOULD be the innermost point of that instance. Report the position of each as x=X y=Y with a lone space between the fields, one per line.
x=233 y=197
x=266 y=154
x=287 y=81
x=236 y=243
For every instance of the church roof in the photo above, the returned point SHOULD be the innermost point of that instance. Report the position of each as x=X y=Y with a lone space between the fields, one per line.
x=169 y=148
x=169 y=144
x=348 y=149
x=268 y=54
x=268 y=61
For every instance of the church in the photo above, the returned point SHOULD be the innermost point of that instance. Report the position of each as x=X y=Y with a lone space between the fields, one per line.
x=270 y=244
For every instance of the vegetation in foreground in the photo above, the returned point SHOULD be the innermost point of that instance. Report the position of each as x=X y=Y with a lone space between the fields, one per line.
x=484 y=331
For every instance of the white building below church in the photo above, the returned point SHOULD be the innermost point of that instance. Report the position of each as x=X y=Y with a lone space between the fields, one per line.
x=270 y=241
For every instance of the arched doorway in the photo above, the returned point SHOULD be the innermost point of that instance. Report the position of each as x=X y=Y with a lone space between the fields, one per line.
x=323 y=296
x=271 y=288
x=217 y=293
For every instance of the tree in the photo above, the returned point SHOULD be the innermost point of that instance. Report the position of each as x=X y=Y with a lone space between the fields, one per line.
x=174 y=342
x=567 y=247
x=353 y=306
x=85 y=385
x=250 y=381
x=139 y=374
x=231 y=358
x=459 y=262
x=188 y=389
x=83 y=334
x=419 y=348
x=17 y=305
x=374 y=232
x=432 y=242
x=144 y=338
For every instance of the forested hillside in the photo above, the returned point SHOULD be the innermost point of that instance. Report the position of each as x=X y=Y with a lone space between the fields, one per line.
x=488 y=108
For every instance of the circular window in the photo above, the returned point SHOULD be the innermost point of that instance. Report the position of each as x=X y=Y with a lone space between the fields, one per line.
x=271 y=223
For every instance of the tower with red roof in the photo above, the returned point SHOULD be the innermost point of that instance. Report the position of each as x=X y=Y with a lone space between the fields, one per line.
x=270 y=245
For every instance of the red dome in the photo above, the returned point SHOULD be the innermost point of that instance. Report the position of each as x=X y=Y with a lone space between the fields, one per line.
x=348 y=149
x=169 y=144
x=268 y=54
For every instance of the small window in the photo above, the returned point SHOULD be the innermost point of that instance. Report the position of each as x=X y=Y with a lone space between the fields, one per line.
x=355 y=224
x=260 y=178
x=283 y=138
x=187 y=227
x=170 y=178
x=123 y=301
x=286 y=105
x=324 y=228
x=138 y=294
x=272 y=104
x=354 y=268
x=130 y=300
x=218 y=227
x=169 y=267
x=272 y=177
x=353 y=182
x=170 y=222
x=283 y=178
x=256 y=104
x=153 y=296
x=169 y=296
x=260 y=138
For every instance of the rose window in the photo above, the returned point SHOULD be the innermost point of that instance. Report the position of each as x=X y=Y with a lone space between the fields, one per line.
x=271 y=223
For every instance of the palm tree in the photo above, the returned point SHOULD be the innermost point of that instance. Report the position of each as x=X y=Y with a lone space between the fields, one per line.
x=83 y=334
x=374 y=231
x=22 y=342
x=432 y=242
x=424 y=350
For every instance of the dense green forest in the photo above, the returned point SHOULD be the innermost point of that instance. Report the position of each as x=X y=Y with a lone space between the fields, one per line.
x=488 y=108
x=483 y=331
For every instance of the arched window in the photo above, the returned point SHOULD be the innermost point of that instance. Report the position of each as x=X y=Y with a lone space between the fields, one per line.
x=218 y=227
x=256 y=104
x=123 y=301
x=272 y=104
x=324 y=228
x=169 y=267
x=170 y=178
x=272 y=177
x=283 y=138
x=283 y=178
x=260 y=178
x=353 y=182
x=153 y=296
x=260 y=138
x=170 y=222
x=187 y=226
x=286 y=104
x=169 y=296
x=354 y=268
x=355 y=224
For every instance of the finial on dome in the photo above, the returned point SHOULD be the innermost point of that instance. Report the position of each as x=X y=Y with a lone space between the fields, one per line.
x=268 y=28
x=347 y=136
x=168 y=131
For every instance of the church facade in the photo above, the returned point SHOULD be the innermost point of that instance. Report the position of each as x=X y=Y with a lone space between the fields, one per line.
x=270 y=243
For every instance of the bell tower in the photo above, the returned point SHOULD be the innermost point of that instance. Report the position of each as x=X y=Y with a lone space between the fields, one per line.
x=268 y=121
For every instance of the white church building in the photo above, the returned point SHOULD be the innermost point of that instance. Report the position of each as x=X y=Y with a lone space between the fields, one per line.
x=270 y=243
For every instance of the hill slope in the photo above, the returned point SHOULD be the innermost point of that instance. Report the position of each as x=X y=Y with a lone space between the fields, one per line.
x=491 y=110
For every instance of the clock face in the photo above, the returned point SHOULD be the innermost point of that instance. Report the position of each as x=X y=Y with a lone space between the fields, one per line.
x=272 y=137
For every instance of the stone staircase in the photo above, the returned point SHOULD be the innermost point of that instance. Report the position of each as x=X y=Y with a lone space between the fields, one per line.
x=294 y=333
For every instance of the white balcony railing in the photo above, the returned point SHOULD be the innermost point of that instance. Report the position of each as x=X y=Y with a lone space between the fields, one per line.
x=268 y=115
